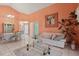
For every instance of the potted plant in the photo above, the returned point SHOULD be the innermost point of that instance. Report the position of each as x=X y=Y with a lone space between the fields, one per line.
x=68 y=28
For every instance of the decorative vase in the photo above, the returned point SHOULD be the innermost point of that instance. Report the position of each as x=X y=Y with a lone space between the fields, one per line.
x=73 y=45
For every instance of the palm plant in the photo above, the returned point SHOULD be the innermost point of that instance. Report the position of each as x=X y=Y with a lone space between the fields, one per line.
x=67 y=27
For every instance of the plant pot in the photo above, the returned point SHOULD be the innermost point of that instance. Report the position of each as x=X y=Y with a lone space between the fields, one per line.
x=73 y=47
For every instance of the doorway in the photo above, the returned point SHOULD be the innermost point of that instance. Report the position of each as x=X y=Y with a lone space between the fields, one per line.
x=24 y=28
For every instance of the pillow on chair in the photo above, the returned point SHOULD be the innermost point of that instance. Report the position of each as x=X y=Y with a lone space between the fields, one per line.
x=53 y=36
x=59 y=37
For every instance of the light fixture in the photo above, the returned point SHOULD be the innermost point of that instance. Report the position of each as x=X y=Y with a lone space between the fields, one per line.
x=9 y=16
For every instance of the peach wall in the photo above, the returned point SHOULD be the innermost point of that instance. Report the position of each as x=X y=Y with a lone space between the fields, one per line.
x=62 y=9
x=18 y=16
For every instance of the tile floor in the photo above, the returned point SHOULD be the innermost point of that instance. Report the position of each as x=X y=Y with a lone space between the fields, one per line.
x=7 y=49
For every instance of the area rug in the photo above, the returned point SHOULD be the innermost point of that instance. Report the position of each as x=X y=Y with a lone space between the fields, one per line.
x=23 y=52
x=35 y=52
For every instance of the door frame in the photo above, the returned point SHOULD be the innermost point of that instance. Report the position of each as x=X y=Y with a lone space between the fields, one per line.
x=24 y=22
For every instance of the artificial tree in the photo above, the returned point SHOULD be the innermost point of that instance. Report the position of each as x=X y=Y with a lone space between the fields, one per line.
x=70 y=28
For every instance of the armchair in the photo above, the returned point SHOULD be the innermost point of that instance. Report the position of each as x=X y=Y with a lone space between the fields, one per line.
x=18 y=35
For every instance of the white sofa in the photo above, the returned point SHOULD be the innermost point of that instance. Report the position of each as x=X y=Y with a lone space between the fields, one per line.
x=8 y=36
x=57 y=39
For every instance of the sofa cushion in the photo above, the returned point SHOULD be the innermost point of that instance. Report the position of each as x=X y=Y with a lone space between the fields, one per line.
x=46 y=35
x=53 y=36
x=59 y=37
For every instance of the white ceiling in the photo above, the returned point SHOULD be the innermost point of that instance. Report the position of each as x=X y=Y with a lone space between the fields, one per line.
x=27 y=8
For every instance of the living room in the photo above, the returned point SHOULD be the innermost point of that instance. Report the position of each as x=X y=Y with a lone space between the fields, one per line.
x=37 y=28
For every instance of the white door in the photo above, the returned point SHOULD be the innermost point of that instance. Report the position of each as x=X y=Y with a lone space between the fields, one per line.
x=24 y=28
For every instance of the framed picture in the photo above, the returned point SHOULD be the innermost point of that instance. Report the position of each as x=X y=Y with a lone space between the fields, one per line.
x=51 y=20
